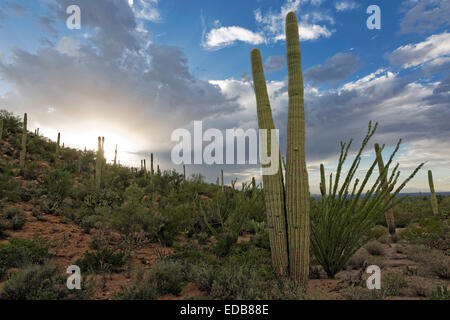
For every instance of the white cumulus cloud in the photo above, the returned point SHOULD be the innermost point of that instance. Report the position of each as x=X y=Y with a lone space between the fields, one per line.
x=225 y=36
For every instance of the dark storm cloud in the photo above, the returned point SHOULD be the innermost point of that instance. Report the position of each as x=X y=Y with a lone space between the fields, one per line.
x=424 y=16
x=336 y=68
x=114 y=20
x=274 y=63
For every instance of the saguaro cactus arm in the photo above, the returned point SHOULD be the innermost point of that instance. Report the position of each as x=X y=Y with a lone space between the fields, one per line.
x=297 y=186
x=323 y=187
x=433 y=199
x=273 y=184
x=389 y=214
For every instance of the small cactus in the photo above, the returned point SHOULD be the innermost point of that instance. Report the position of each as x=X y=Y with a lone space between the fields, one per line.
x=99 y=164
x=433 y=199
x=23 y=153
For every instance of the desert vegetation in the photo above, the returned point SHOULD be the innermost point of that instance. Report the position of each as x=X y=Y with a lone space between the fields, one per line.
x=141 y=233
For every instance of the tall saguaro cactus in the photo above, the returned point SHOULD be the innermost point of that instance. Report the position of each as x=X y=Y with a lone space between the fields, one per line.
x=389 y=214
x=57 y=143
x=433 y=199
x=287 y=204
x=23 y=153
x=297 y=187
x=273 y=184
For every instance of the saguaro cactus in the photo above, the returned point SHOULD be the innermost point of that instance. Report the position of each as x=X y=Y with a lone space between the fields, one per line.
x=389 y=214
x=184 y=172
x=323 y=187
x=1 y=129
x=99 y=164
x=287 y=207
x=273 y=184
x=57 y=143
x=433 y=199
x=23 y=153
x=115 y=155
x=297 y=186
x=151 y=164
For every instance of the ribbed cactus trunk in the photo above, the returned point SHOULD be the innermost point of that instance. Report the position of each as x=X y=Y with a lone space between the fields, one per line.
x=115 y=155
x=433 y=199
x=98 y=164
x=23 y=152
x=297 y=186
x=58 y=141
x=323 y=186
x=273 y=184
x=389 y=214
x=151 y=164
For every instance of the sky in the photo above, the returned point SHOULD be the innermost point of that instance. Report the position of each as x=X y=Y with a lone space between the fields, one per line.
x=136 y=70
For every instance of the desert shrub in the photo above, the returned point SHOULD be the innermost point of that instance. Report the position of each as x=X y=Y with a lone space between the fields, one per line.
x=432 y=232
x=374 y=248
x=441 y=293
x=20 y=252
x=432 y=262
x=377 y=231
x=103 y=260
x=36 y=282
x=9 y=186
x=392 y=283
x=13 y=218
x=57 y=185
x=358 y=260
x=342 y=220
x=163 y=278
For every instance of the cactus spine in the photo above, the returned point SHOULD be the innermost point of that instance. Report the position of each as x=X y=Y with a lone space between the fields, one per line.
x=23 y=153
x=273 y=184
x=323 y=187
x=389 y=214
x=297 y=187
x=433 y=199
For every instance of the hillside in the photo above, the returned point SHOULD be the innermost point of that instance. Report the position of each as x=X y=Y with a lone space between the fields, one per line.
x=142 y=235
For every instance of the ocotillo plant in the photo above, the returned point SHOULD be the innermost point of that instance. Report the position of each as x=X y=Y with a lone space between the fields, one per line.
x=297 y=187
x=323 y=187
x=151 y=164
x=273 y=184
x=433 y=199
x=23 y=153
x=389 y=214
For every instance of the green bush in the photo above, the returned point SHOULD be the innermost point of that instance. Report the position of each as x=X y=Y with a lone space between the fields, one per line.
x=374 y=248
x=44 y=282
x=13 y=218
x=103 y=260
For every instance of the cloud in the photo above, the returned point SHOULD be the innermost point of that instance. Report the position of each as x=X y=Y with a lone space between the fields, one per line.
x=225 y=36
x=273 y=23
x=424 y=16
x=345 y=5
x=140 y=97
x=146 y=9
x=274 y=63
x=429 y=51
x=336 y=68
